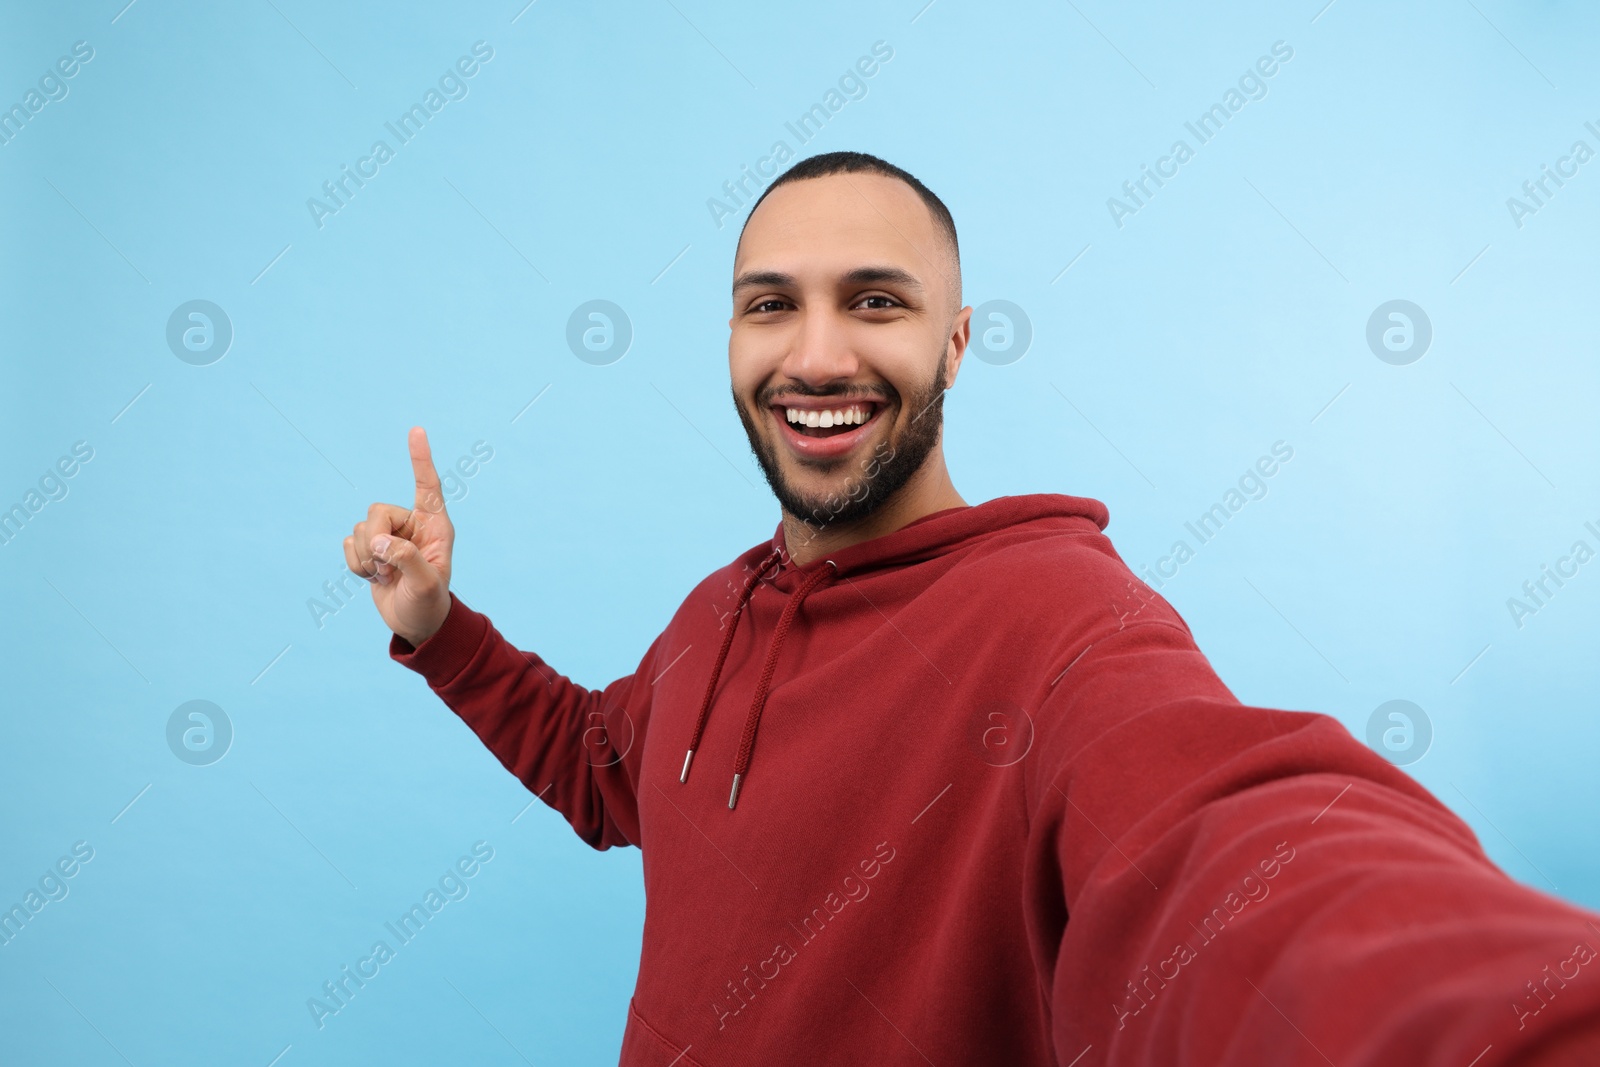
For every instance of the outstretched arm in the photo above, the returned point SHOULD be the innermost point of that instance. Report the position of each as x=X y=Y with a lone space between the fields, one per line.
x=573 y=747
x=1217 y=883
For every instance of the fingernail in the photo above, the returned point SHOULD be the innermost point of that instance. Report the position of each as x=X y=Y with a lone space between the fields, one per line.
x=380 y=544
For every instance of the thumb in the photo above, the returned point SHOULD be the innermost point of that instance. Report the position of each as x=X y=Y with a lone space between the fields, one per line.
x=403 y=555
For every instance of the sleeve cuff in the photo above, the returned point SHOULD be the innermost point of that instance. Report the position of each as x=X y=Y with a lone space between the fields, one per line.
x=444 y=655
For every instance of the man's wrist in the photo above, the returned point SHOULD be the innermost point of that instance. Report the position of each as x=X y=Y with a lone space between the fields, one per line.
x=415 y=638
x=446 y=652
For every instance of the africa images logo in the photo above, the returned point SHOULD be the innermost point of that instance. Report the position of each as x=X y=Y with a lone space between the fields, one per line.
x=199 y=733
x=199 y=332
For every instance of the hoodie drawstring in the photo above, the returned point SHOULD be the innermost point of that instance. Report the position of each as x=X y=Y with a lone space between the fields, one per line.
x=747 y=740
x=722 y=656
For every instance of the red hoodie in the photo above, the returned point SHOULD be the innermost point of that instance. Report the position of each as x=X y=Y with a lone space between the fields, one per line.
x=909 y=765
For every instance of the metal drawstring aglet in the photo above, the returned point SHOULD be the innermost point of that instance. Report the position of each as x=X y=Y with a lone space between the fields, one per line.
x=733 y=798
x=684 y=777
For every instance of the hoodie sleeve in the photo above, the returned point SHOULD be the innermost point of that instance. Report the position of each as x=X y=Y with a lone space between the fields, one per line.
x=1214 y=883
x=575 y=748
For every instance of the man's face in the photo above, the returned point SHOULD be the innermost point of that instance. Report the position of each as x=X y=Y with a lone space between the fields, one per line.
x=845 y=303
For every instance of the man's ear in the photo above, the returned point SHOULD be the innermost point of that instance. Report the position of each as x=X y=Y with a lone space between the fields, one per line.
x=956 y=347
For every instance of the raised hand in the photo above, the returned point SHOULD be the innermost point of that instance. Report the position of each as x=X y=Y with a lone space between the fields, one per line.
x=405 y=554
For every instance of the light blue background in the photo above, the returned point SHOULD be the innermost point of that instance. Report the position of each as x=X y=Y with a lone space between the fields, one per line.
x=1224 y=316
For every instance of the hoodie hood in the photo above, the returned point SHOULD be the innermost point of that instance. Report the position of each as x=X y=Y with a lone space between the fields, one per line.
x=931 y=536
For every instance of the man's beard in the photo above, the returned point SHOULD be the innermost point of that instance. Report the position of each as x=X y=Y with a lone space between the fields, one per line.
x=868 y=483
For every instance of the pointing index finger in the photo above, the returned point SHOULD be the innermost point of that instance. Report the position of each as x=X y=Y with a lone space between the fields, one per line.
x=430 y=497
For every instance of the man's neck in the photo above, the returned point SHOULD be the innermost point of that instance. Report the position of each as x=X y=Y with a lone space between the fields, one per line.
x=928 y=491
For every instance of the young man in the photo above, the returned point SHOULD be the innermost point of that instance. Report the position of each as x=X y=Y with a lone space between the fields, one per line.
x=923 y=782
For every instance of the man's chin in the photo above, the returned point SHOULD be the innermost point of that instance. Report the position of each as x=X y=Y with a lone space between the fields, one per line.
x=817 y=504
x=831 y=492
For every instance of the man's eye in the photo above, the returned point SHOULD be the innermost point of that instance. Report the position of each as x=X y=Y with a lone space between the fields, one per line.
x=768 y=305
x=884 y=302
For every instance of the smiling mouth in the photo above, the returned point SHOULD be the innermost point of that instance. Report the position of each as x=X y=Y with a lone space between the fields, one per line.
x=828 y=422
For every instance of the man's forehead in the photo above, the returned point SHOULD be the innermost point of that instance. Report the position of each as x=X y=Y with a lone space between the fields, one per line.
x=840 y=222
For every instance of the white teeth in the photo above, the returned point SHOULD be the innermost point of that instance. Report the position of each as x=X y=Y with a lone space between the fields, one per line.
x=851 y=416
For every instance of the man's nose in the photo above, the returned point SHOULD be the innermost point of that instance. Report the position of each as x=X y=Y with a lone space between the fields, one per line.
x=822 y=351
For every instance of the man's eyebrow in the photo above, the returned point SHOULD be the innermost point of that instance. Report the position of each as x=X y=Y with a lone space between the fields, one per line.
x=892 y=275
x=762 y=278
x=859 y=276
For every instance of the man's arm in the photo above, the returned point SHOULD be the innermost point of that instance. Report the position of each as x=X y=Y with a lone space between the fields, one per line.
x=572 y=746
x=576 y=748
x=1216 y=883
